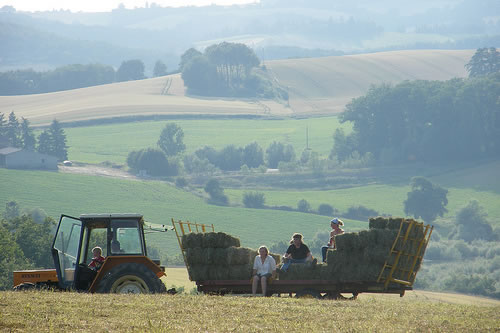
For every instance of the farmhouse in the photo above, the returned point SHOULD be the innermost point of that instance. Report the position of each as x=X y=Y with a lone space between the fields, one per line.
x=17 y=158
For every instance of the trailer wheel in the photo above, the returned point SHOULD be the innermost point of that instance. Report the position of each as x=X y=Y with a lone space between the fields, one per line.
x=36 y=286
x=25 y=286
x=130 y=278
x=308 y=293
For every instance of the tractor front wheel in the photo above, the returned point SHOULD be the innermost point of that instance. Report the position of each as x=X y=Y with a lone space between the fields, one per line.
x=130 y=278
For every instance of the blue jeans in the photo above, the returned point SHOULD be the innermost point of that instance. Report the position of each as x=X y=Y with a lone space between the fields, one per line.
x=287 y=263
x=323 y=252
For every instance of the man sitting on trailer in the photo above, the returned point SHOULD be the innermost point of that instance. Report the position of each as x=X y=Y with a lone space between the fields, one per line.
x=297 y=253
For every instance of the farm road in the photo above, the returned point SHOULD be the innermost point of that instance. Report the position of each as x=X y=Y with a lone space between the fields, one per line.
x=97 y=170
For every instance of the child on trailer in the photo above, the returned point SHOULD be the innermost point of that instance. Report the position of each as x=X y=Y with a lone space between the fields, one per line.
x=97 y=260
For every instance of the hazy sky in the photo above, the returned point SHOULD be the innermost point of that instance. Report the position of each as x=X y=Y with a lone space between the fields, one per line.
x=107 y=5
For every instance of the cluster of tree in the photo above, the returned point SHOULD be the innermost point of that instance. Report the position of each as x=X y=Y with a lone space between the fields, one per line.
x=52 y=141
x=484 y=62
x=25 y=241
x=23 y=82
x=233 y=158
x=163 y=161
x=424 y=121
x=226 y=69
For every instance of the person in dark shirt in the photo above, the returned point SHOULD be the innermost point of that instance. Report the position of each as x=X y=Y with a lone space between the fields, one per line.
x=297 y=253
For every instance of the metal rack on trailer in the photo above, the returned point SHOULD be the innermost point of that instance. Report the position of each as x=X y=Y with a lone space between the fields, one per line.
x=393 y=279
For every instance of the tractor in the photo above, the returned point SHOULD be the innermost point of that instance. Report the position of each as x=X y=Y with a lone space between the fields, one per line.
x=126 y=268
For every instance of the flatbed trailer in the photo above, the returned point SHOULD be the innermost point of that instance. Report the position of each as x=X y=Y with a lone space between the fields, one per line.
x=393 y=279
x=301 y=288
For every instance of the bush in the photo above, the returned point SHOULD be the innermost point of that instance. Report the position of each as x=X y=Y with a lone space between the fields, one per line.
x=360 y=213
x=216 y=193
x=303 y=206
x=325 y=209
x=181 y=182
x=153 y=161
x=253 y=199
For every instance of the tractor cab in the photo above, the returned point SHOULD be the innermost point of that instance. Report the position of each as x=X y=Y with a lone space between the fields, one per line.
x=121 y=237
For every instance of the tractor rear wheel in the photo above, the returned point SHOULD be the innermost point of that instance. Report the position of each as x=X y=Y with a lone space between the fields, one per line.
x=130 y=278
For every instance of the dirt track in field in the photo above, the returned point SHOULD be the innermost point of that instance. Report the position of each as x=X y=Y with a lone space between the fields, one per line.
x=97 y=170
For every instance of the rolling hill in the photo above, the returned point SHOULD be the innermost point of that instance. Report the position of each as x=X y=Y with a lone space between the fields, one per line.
x=316 y=86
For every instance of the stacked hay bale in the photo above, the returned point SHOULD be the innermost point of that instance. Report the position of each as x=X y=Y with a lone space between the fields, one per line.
x=360 y=256
x=411 y=249
x=218 y=256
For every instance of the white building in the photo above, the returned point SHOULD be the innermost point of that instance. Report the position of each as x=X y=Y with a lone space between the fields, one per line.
x=18 y=158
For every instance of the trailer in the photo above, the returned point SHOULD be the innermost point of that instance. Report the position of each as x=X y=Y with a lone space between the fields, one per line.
x=394 y=278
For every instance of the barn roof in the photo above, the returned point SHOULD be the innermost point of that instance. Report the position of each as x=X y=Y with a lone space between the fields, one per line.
x=9 y=150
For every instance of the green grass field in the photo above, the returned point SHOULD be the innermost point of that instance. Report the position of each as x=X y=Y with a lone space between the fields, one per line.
x=71 y=194
x=69 y=312
x=112 y=143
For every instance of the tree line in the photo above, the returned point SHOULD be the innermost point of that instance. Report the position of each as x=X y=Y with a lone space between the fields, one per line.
x=427 y=121
x=25 y=240
x=19 y=134
x=28 y=81
x=166 y=160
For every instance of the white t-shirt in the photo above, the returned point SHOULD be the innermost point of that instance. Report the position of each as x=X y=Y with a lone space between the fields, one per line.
x=268 y=266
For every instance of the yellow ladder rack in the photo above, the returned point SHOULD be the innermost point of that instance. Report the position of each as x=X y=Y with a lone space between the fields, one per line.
x=182 y=228
x=405 y=276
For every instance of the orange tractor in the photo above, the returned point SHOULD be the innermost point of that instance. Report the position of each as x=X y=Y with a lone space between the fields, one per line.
x=126 y=268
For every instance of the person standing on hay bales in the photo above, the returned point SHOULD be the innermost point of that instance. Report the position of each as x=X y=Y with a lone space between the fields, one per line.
x=336 y=224
x=297 y=253
x=264 y=267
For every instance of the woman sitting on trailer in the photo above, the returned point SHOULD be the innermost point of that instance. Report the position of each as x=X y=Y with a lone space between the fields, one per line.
x=297 y=253
x=264 y=267
x=336 y=224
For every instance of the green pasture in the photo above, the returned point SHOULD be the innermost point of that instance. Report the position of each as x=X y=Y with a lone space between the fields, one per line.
x=386 y=199
x=58 y=193
x=96 y=144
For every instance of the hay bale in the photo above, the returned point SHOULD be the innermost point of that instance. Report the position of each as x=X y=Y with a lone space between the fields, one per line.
x=277 y=257
x=198 y=272
x=240 y=272
x=220 y=256
x=209 y=239
x=241 y=255
x=346 y=241
x=394 y=223
x=377 y=223
x=196 y=256
x=191 y=240
x=301 y=272
x=225 y=240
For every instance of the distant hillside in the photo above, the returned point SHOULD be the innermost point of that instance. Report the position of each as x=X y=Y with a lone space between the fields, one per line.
x=26 y=47
x=316 y=86
x=326 y=85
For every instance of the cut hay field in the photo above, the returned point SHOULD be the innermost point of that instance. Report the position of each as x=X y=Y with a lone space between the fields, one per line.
x=315 y=85
x=69 y=312
x=326 y=85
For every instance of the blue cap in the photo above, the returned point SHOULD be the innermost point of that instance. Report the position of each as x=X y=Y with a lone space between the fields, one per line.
x=335 y=220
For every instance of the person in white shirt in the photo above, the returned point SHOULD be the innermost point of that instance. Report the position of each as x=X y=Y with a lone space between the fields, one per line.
x=264 y=266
